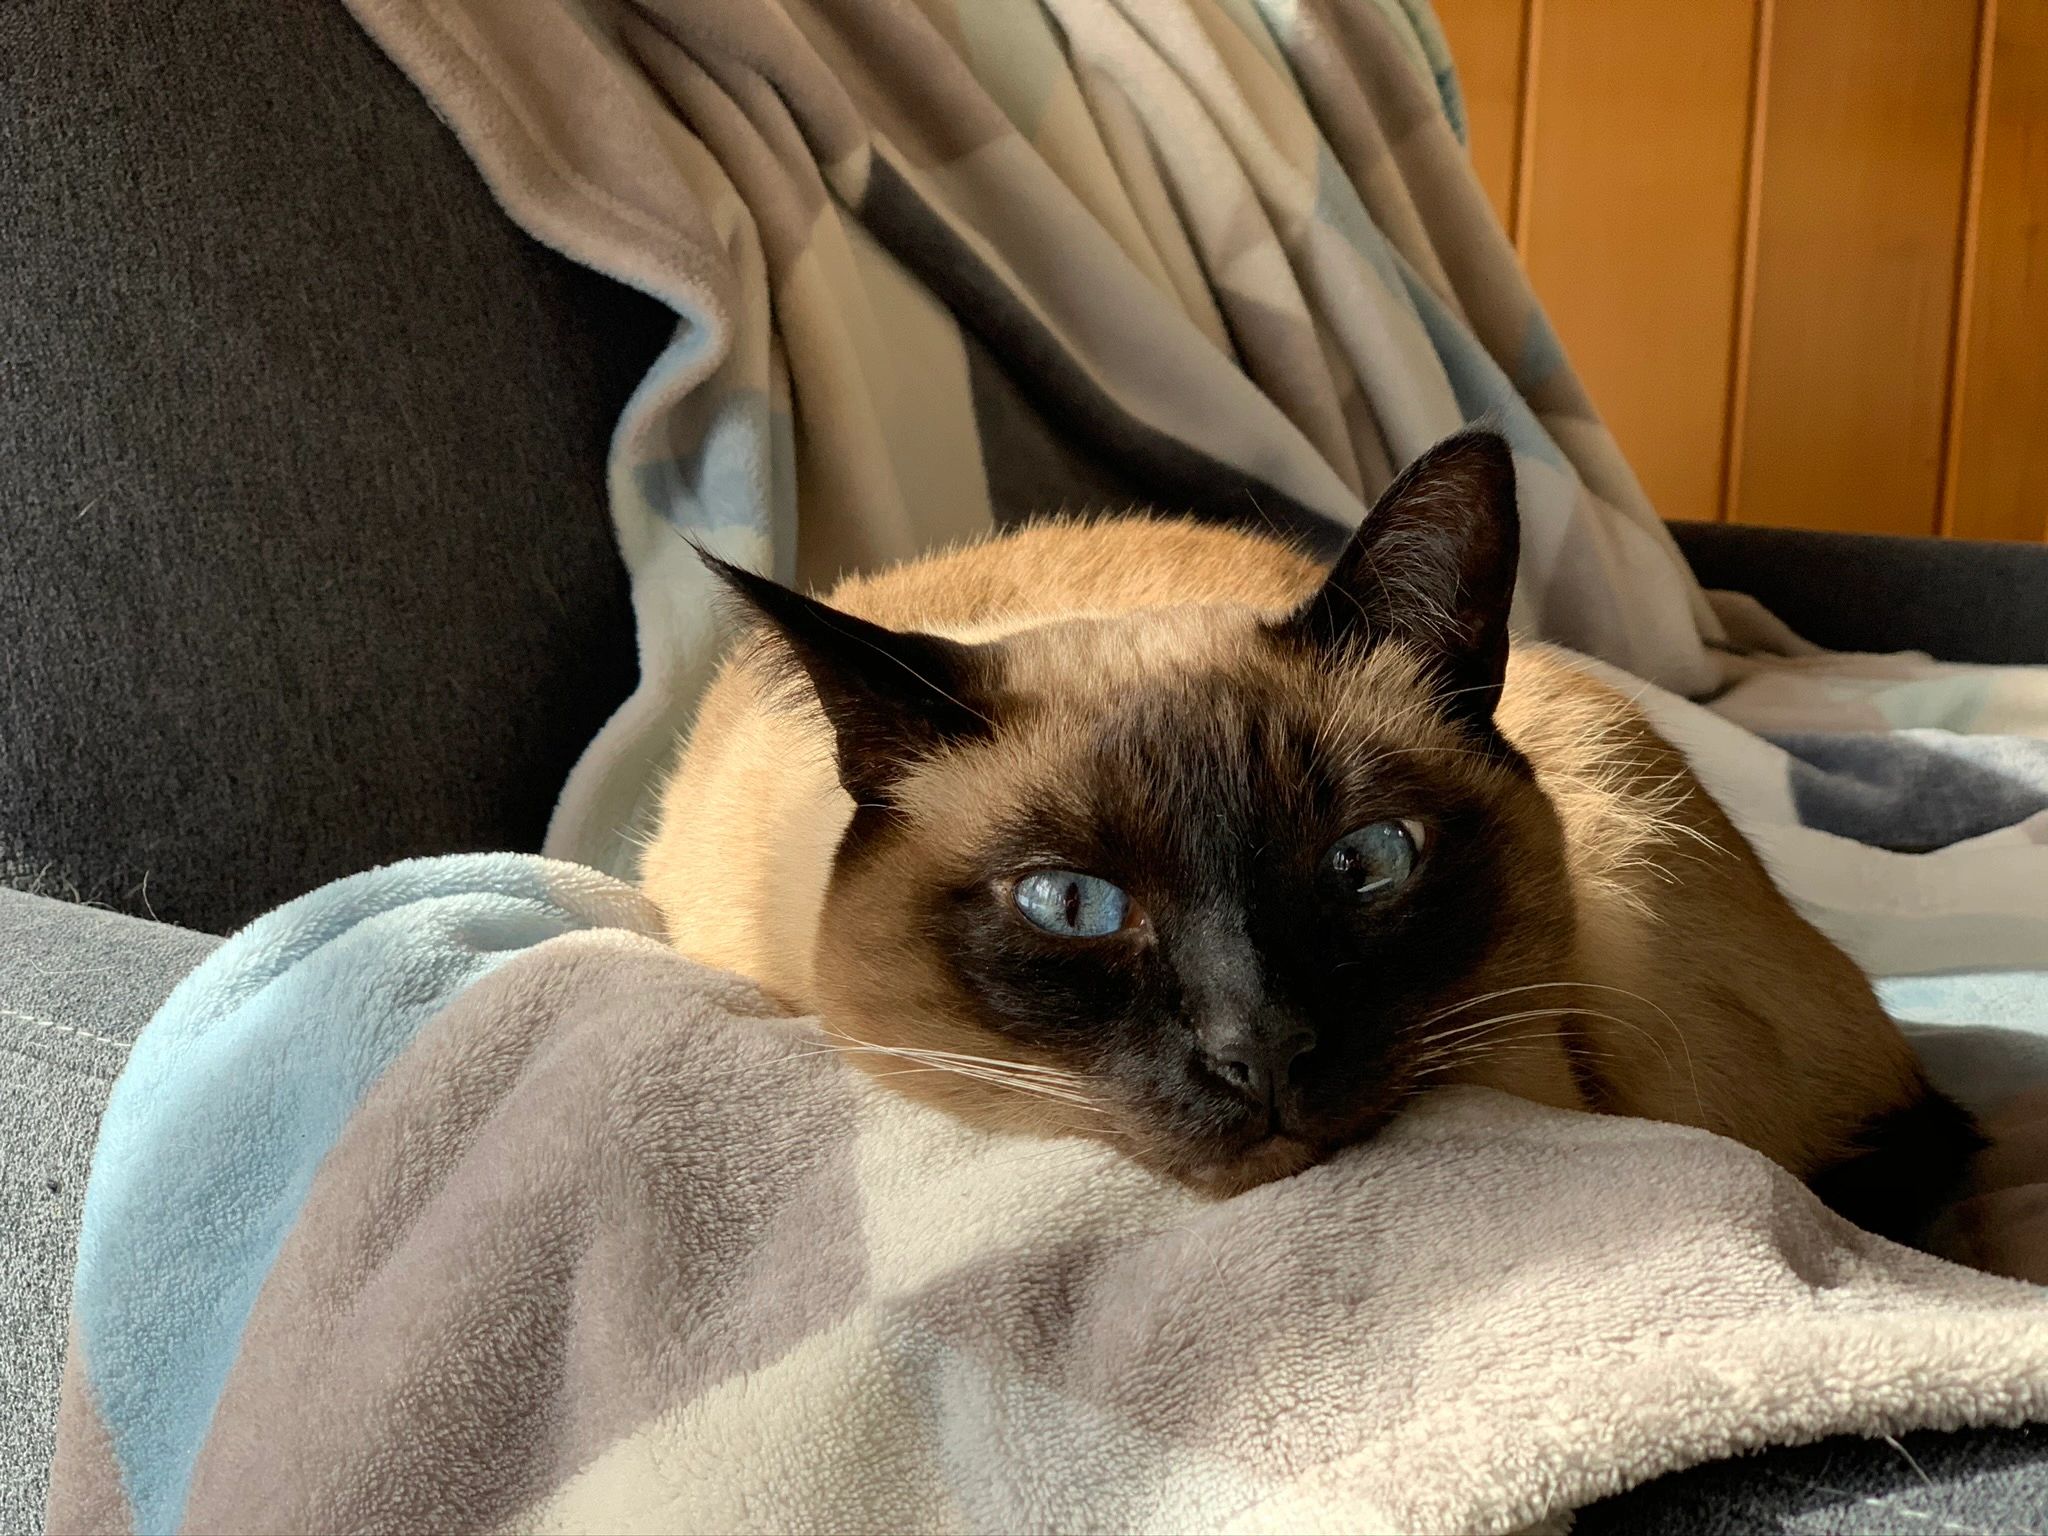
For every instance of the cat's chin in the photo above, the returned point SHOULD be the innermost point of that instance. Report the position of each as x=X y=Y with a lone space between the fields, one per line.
x=1223 y=1170
x=1275 y=1157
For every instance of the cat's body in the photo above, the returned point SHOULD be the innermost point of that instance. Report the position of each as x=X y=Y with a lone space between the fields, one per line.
x=1597 y=935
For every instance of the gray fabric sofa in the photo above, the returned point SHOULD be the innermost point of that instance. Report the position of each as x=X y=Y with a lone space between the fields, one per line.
x=306 y=558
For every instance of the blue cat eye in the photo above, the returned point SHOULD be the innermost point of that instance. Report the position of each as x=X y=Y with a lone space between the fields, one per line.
x=1072 y=905
x=1375 y=859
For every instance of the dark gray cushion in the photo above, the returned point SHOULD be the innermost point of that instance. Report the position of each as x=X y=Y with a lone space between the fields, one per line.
x=1973 y=1483
x=304 y=553
x=76 y=983
x=1959 y=600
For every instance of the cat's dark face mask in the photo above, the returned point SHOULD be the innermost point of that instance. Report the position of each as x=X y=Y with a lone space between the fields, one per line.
x=1216 y=886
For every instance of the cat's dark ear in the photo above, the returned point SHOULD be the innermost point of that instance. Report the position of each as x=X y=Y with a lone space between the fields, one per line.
x=1433 y=566
x=891 y=696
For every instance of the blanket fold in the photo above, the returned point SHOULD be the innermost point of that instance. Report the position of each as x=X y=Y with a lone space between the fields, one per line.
x=942 y=265
x=598 y=1244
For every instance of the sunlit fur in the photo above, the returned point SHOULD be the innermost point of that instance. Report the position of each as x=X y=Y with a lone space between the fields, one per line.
x=1597 y=934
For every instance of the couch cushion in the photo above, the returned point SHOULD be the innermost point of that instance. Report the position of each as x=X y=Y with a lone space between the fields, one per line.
x=75 y=986
x=308 y=562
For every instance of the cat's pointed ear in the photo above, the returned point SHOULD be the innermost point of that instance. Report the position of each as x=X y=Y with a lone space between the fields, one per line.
x=1432 y=566
x=890 y=696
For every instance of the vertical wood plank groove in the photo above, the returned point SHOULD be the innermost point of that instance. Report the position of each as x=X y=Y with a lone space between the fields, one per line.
x=1745 y=277
x=1997 y=458
x=1863 y=170
x=1800 y=269
x=1525 y=127
x=1632 y=232
x=1966 y=267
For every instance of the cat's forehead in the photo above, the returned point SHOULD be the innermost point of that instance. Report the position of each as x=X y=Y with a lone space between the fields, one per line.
x=1196 y=672
x=1156 y=717
x=1081 y=656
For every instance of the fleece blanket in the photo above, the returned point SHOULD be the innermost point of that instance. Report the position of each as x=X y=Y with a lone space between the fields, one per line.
x=449 y=1198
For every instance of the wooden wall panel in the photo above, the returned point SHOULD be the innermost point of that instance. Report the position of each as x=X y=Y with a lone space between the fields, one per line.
x=1797 y=249
x=1862 y=179
x=1998 y=449
x=1486 y=38
x=1633 y=221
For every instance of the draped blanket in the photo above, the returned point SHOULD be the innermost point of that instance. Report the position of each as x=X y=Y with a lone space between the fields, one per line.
x=942 y=264
x=448 y=1198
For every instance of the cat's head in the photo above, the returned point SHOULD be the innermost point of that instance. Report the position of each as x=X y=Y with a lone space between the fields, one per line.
x=1204 y=880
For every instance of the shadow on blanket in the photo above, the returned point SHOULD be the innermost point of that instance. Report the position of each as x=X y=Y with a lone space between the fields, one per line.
x=449 y=1197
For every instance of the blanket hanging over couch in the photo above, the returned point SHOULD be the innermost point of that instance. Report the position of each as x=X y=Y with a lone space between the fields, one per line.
x=941 y=265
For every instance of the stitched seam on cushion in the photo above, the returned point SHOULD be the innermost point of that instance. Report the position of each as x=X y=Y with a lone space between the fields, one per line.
x=65 y=1029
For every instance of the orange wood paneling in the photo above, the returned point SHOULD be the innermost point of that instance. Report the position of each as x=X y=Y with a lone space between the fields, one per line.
x=1486 y=38
x=1998 y=448
x=1862 y=180
x=1634 y=215
x=1797 y=249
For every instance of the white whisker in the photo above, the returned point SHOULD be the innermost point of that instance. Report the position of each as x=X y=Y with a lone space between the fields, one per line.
x=1052 y=1084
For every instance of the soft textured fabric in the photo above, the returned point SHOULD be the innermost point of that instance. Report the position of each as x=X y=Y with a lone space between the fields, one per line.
x=85 y=963
x=76 y=983
x=304 y=556
x=1987 y=1482
x=1915 y=790
x=941 y=265
x=575 y=1235
x=1947 y=901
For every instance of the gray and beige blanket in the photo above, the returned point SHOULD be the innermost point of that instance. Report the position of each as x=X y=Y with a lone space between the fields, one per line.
x=448 y=1198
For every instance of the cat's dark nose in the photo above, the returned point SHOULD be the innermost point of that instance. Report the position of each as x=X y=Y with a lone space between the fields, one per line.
x=1254 y=1064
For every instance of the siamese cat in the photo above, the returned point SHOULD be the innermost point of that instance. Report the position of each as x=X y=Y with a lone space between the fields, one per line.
x=1153 y=831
